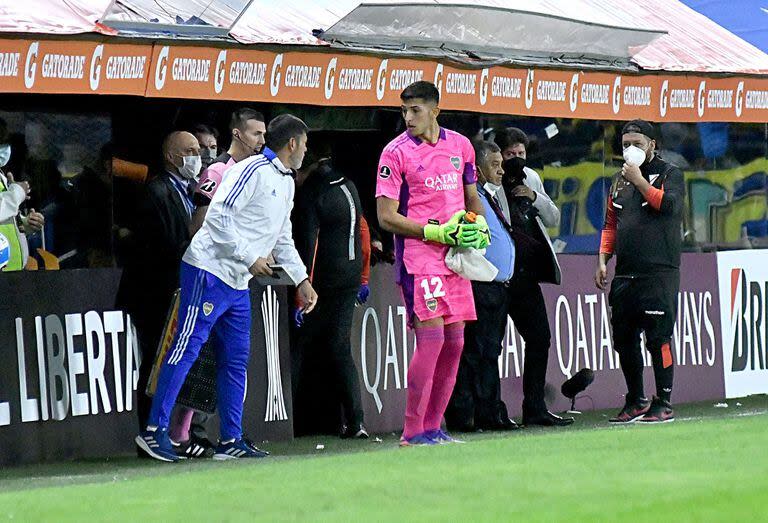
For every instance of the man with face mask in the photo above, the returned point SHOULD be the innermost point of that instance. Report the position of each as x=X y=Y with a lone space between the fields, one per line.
x=188 y=428
x=248 y=221
x=521 y=251
x=248 y=129
x=13 y=225
x=207 y=137
x=160 y=235
x=642 y=227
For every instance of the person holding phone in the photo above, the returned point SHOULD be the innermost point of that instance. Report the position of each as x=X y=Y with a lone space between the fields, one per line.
x=248 y=219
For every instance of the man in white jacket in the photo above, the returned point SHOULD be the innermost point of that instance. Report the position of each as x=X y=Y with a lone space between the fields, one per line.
x=248 y=219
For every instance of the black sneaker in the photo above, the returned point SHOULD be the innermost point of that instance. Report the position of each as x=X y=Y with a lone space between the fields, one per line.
x=660 y=412
x=194 y=447
x=355 y=432
x=632 y=411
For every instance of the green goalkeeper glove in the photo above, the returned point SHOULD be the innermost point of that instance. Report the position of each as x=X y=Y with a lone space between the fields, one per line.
x=447 y=233
x=475 y=236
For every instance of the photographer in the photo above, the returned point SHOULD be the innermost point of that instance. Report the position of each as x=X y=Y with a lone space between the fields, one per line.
x=515 y=203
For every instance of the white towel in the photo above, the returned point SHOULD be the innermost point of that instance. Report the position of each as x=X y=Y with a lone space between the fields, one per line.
x=470 y=264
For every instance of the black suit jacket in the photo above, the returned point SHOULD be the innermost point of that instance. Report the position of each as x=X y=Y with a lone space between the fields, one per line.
x=160 y=237
x=533 y=251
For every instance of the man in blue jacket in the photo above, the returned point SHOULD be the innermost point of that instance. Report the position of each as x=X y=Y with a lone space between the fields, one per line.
x=521 y=251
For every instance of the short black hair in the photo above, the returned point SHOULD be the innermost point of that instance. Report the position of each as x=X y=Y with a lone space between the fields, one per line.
x=241 y=116
x=483 y=148
x=201 y=128
x=421 y=89
x=282 y=129
x=510 y=136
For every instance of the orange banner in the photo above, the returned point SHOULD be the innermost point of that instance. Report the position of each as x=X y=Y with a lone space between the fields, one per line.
x=344 y=79
x=72 y=67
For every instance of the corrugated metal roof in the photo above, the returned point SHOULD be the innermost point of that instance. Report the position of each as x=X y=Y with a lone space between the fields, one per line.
x=694 y=43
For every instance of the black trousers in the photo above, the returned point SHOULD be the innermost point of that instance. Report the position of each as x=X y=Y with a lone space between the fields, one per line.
x=327 y=329
x=476 y=397
x=645 y=304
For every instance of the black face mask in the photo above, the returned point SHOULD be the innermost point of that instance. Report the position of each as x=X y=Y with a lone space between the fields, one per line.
x=513 y=172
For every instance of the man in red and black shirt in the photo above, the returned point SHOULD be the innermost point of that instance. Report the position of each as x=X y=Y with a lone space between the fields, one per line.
x=643 y=229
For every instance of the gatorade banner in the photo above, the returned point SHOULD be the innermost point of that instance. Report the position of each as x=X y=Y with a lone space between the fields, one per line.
x=72 y=67
x=344 y=79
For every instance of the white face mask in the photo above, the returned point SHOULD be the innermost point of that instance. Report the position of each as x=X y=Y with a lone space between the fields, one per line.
x=634 y=155
x=191 y=167
x=5 y=154
x=492 y=188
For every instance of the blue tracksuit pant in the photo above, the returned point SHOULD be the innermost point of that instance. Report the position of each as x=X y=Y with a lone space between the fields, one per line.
x=207 y=301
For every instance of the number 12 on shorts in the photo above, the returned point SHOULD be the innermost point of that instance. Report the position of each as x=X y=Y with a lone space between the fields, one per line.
x=433 y=288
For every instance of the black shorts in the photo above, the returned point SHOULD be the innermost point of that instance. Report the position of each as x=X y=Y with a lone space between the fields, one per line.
x=644 y=304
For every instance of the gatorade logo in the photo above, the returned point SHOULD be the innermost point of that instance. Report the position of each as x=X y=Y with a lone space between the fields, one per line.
x=617 y=95
x=277 y=69
x=330 y=78
x=484 y=87
x=529 y=89
x=574 y=97
x=96 y=59
x=739 y=98
x=221 y=67
x=701 y=98
x=439 y=78
x=381 y=80
x=663 y=98
x=30 y=69
x=161 y=72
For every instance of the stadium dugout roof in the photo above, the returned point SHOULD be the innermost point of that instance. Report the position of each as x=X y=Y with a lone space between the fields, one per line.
x=603 y=59
x=659 y=35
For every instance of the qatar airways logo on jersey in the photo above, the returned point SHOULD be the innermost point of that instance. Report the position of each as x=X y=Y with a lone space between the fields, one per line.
x=442 y=182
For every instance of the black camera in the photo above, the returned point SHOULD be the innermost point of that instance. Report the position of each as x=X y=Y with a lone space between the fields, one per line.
x=514 y=176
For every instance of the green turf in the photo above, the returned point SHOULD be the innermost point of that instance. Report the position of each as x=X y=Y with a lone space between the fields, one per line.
x=712 y=464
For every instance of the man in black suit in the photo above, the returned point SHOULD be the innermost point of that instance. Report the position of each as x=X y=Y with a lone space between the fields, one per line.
x=161 y=234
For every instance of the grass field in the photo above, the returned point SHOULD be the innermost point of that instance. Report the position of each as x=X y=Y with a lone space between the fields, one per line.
x=709 y=465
